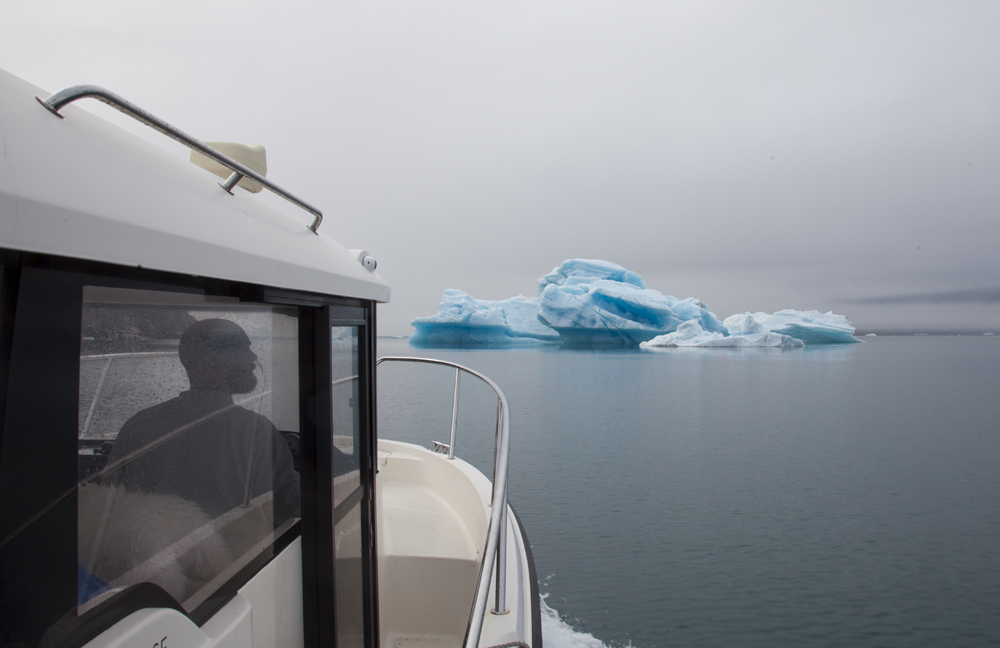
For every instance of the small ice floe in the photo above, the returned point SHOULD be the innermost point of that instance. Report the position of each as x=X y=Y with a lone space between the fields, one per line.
x=869 y=335
x=812 y=327
x=690 y=334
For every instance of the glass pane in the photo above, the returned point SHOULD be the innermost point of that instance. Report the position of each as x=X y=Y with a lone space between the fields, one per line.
x=347 y=490
x=350 y=604
x=346 y=421
x=184 y=475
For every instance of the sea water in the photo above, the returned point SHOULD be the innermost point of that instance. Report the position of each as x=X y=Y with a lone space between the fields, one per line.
x=826 y=496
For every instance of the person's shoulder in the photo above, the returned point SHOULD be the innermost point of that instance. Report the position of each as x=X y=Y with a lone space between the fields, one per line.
x=259 y=421
x=148 y=418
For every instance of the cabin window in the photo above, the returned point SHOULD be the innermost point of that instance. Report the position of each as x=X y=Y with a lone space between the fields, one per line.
x=188 y=420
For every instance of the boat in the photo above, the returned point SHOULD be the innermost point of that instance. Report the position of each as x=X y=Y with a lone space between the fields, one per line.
x=189 y=453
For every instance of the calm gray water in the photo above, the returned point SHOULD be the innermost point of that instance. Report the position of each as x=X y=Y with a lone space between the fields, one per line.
x=838 y=496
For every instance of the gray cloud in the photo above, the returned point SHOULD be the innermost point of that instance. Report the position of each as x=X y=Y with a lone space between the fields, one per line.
x=755 y=155
x=984 y=296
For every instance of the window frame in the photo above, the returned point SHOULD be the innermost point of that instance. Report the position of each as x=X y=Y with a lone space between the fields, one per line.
x=318 y=558
x=41 y=297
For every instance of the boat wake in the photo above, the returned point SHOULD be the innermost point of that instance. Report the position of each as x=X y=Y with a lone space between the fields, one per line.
x=556 y=633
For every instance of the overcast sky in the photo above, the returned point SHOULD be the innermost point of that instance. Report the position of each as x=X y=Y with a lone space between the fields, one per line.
x=836 y=156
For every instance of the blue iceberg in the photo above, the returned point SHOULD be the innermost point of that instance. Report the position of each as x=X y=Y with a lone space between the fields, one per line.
x=463 y=320
x=597 y=303
x=574 y=272
x=812 y=327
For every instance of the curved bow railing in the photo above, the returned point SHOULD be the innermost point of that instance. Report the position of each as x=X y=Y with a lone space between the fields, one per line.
x=495 y=552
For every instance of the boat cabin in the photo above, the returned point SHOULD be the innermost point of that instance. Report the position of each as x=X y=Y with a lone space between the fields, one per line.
x=187 y=400
x=188 y=446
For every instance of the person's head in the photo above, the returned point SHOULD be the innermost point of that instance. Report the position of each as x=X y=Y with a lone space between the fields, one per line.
x=216 y=354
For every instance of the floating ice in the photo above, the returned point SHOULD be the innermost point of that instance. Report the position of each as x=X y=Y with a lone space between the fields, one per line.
x=597 y=303
x=522 y=316
x=690 y=334
x=744 y=324
x=584 y=271
x=463 y=320
x=812 y=327
x=871 y=335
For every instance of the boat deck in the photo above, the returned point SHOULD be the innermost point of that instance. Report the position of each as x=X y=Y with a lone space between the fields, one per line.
x=432 y=520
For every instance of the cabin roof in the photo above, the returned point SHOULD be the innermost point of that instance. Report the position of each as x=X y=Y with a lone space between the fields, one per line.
x=83 y=188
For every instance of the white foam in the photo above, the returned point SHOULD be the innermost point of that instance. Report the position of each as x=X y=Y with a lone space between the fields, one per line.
x=556 y=633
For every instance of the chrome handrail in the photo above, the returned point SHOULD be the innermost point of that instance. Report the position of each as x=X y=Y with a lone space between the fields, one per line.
x=56 y=101
x=496 y=535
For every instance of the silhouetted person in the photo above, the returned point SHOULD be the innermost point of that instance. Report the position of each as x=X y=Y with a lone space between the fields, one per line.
x=220 y=455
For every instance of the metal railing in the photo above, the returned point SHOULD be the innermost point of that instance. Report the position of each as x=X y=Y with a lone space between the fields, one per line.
x=496 y=534
x=54 y=103
x=495 y=550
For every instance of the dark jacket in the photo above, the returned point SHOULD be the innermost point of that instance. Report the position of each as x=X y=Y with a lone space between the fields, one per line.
x=221 y=455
